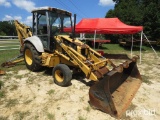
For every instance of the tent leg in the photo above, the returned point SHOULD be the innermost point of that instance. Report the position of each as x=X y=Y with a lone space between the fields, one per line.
x=141 y=47
x=151 y=45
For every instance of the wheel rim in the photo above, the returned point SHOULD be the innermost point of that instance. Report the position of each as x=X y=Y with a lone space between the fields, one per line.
x=59 y=76
x=28 y=57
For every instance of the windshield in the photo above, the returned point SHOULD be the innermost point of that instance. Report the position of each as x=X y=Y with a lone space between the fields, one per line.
x=58 y=22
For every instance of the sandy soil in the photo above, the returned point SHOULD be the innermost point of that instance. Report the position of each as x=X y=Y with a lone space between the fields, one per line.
x=32 y=96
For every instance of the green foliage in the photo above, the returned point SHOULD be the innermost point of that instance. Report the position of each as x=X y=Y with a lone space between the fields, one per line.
x=3 y=118
x=2 y=33
x=50 y=116
x=146 y=79
x=82 y=118
x=2 y=94
x=50 y=92
x=7 y=55
x=21 y=115
x=110 y=14
x=1 y=84
x=139 y=13
x=11 y=102
x=88 y=108
x=14 y=87
x=151 y=19
x=7 y=28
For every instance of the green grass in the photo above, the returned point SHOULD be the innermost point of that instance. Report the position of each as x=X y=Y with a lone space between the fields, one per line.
x=14 y=87
x=50 y=116
x=9 y=40
x=82 y=118
x=21 y=115
x=116 y=48
x=1 y=84
x=50 y=92
x=8 y=55
x=9 y=48
x=18 y=76
x=2 y=94
x=3 y=118
x=11 y=102
x=88 y=108
x=9 y=44
x=146 y=79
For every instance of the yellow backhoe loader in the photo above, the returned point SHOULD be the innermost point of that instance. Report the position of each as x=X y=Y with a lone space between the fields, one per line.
x=48 y=45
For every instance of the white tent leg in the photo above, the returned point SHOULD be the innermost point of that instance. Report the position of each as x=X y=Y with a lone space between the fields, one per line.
x=151 y=45
x=141 y=47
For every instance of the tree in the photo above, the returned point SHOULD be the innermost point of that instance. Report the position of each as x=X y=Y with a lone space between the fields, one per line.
x=151 y=18
x=7 y=28
x=127 y=11
x=139 y=12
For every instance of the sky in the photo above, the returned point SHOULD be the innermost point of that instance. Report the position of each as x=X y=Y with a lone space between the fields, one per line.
x=21 y=9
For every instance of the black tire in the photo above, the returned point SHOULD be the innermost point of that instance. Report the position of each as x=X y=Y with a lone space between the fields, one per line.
x=31 y=57
x=62 y=75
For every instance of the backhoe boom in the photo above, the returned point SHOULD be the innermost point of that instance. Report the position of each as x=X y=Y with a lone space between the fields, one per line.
x=23 y=32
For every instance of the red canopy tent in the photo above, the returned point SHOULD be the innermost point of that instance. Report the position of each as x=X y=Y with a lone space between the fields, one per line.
x=105 y=26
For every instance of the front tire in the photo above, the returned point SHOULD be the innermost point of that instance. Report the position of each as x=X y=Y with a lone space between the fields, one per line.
x=62 y=75
x=31 y=57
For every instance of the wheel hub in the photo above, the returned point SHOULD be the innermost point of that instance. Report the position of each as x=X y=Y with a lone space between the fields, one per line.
x=59 y=76
x=28 y=57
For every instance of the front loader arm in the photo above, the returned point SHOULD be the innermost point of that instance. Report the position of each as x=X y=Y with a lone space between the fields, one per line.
x=78 y=59
x=93 y=67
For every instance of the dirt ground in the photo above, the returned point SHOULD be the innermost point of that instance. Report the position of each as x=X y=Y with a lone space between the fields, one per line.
x=33 y=96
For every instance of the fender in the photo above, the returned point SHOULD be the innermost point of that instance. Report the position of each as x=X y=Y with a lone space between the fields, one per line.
x=36 y=42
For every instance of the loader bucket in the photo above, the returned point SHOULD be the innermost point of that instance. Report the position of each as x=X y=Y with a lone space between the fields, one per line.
x=113 y=94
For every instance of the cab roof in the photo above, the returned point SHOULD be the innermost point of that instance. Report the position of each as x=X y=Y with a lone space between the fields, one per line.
x=52 y=9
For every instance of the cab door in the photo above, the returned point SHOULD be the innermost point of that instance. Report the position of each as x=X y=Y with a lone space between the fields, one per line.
x=41 y=28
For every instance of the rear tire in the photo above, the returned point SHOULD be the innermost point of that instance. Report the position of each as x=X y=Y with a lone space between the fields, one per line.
x=62 y=75
x=31 y=57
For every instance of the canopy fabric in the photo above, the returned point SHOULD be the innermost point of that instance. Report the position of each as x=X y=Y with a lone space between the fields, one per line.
x=105 y=26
